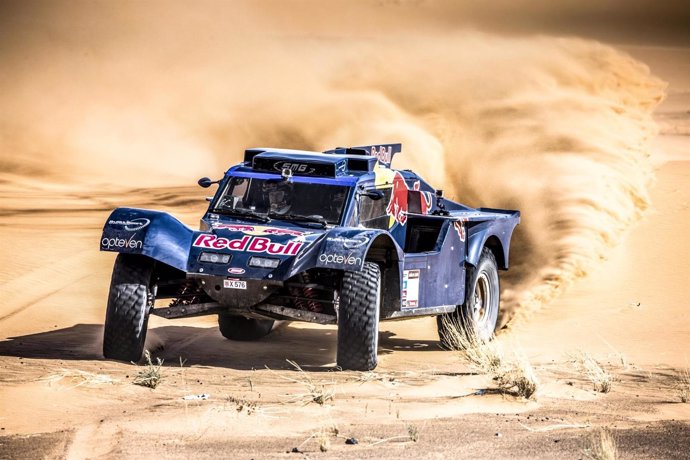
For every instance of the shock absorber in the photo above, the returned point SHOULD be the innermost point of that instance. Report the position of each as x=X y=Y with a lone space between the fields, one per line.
x=309 y=293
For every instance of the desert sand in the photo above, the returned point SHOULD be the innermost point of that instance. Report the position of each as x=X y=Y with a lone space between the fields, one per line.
x=584 y=128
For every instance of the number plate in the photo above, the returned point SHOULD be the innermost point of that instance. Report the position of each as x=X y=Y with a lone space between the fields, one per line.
x=410 y=293
x=234 y=284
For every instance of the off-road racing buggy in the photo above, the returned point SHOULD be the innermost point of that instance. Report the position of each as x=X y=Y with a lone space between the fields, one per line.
x=335 y=237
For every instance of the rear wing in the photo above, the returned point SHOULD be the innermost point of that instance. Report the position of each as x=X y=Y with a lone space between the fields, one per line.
x=384 y=153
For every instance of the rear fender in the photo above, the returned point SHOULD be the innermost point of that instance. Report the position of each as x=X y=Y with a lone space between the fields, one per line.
x=155 y=234
x=494 y=233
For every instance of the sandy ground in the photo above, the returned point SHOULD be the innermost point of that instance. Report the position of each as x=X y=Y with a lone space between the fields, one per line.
x=60 y=399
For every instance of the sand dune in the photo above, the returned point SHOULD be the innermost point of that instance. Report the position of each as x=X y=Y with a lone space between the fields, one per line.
x=558 y=128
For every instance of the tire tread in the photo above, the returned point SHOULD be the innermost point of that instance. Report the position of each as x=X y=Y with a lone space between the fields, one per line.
x=129 y=303
x=358 y=318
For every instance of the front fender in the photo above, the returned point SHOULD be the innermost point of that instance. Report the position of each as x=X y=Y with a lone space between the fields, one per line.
x=347 y=248
x=151 y=233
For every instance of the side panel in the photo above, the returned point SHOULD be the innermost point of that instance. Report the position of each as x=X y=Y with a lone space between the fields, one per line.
x=436 y=278
x=152 y=233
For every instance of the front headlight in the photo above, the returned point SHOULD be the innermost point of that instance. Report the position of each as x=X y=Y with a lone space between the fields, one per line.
x=263 y=262
x=214 y=257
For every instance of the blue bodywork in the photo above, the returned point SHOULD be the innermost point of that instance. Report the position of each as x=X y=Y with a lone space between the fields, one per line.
x=422 y=242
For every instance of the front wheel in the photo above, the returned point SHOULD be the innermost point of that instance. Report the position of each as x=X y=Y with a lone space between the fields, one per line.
x=358 y=318
x=478 y=315
x=129 y=303
x=243 y=329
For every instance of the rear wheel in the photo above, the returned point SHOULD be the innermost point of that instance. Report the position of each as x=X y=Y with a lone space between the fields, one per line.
x=243 y=329
x=358 y=318
x=479 y=313
x=129 y=303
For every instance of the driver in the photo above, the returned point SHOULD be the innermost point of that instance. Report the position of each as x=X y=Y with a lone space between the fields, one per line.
x=279 y=196
x=335 y=205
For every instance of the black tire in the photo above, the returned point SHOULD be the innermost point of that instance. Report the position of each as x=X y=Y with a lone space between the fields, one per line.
x=129 y=303
x=479 y=313
x=358 y=318
x=244 y=329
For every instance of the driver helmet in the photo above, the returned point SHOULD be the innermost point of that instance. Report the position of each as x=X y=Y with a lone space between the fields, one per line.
x=279 y=196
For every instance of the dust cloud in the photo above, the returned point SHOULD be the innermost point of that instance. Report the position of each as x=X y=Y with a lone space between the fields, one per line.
x=132 y=95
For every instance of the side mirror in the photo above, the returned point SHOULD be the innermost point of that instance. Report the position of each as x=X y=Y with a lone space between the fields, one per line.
x=205 y=182
x=374 y=194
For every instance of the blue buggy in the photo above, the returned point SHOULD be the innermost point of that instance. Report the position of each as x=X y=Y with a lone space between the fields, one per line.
x=335 y=237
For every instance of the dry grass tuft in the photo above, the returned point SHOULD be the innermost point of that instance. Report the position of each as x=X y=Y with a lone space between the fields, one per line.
x=517 y=377
x=324 y=439
x=242 y=404
x=318 y=393
x=600 y=377
x=413 y=432
x=151 y=375
x=602 y=446
x=682 y=385
x=486 y=356
x=514 y=376
x=412 y=435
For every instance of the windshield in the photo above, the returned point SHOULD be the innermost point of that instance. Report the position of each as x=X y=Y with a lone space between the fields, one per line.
x=280 y=199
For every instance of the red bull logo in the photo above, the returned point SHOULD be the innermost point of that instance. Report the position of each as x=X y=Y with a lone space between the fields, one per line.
x=248 y=243
x=384 y=154
x=460 y=228
x=399 y=205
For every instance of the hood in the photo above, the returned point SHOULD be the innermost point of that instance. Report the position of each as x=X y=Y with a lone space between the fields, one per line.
x=242 y=241
x=226 y=247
